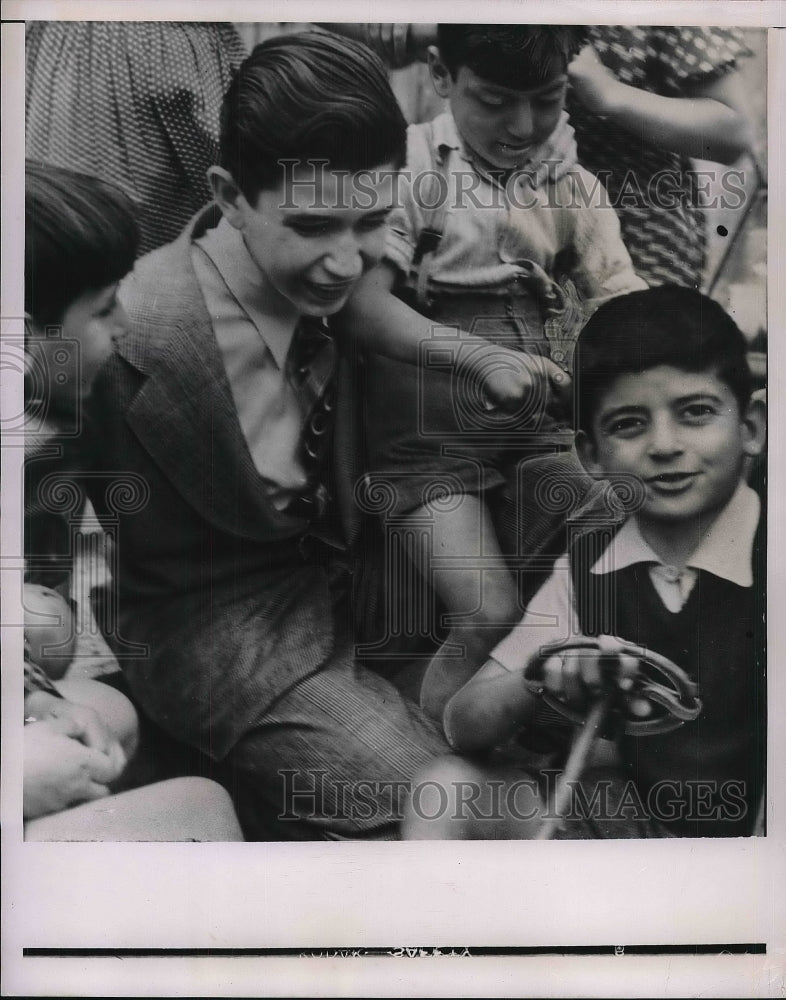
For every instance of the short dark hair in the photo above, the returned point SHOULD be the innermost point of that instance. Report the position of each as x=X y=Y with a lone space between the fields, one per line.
x=667 y=325
x=80 y=236
x=517 y=56
x=309 y=96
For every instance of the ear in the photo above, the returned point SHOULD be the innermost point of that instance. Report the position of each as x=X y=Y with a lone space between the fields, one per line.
x=588 y=455
x=229 y=198
x=754 y=424
x=440 y=74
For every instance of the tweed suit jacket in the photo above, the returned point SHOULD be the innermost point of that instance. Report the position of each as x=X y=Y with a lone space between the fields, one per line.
x=227 y=600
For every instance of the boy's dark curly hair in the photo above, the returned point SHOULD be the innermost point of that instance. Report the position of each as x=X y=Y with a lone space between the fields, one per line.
x=667 y=325
x=306 y=97
x=517 y=56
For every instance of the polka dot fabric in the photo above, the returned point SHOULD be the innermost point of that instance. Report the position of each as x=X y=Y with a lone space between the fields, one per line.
x=134 y=102
x=654 y=191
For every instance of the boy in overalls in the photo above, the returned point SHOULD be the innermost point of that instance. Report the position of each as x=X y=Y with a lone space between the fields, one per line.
x=492 y=210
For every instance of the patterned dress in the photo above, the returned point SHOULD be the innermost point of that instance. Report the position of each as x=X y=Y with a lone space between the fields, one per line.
x=654 y=191
x=136 y=103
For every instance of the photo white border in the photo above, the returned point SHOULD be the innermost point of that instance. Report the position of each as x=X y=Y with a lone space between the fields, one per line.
x=327 y=896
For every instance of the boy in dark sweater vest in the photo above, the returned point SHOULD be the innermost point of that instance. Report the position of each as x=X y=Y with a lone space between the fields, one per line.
x=665 y=413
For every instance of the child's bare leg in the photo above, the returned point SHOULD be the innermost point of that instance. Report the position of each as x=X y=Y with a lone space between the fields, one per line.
x=479 y=589
x=178 y=809
x=455 y=799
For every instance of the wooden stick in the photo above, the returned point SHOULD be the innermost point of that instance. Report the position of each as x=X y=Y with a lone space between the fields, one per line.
x=574 y=766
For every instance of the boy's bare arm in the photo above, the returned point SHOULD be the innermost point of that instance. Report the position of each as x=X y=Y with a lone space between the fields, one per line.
x=498 y=701
x=489 y=709
x=604 y=268
x=385 y=324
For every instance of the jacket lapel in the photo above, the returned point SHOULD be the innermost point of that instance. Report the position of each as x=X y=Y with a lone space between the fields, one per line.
x=184 y=415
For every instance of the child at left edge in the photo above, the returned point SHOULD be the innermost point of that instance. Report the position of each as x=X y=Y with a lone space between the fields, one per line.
x=80 y=240
x=664 y=395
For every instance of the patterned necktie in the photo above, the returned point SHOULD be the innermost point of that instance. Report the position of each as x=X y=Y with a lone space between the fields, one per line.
x=314 y=372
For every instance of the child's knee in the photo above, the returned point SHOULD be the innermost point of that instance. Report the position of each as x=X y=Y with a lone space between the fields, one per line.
x=449 y=772
x=206 y=808
x=439 y=792
x=455 y=799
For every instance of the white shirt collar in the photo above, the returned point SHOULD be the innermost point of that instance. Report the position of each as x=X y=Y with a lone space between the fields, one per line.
x=726 y=550
x=225 y=247
x=549 y=161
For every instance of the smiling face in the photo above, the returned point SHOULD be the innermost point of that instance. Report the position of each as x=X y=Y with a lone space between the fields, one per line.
x=314 y=235
x=500 y=125
x=681 y=433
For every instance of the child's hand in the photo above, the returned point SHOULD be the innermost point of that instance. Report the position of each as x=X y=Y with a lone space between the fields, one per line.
x=60 y=772
x=511 y=386
x=593 y=83
x=579 y=677
x=77 y=722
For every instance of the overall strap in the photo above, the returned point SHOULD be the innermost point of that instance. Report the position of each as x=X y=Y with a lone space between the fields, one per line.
x=434 y=204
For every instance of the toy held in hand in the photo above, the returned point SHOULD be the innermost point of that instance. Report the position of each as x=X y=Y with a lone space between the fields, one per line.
x=50 y=637
x=649 y=692
x=594 y=682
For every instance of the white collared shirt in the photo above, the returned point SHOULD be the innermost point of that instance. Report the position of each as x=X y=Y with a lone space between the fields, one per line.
x=717 y=552
x=488 y=229
x=255 y=353
x=726 y=551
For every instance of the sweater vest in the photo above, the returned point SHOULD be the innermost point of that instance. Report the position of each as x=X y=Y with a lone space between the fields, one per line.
x=707 y=777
